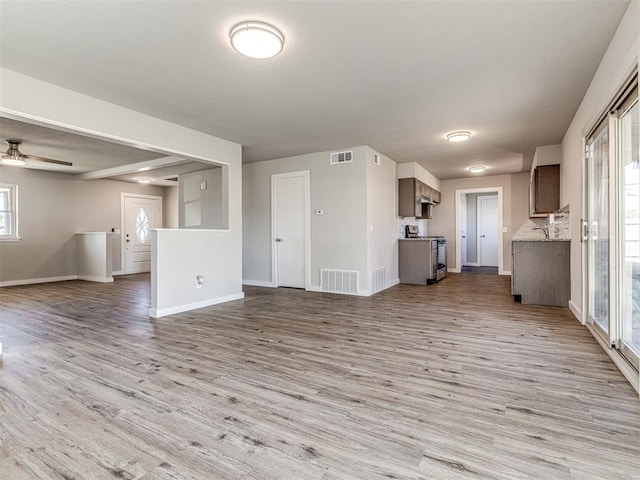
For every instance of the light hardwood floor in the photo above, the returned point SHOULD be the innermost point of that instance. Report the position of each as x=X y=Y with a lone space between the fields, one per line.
x=448 y=381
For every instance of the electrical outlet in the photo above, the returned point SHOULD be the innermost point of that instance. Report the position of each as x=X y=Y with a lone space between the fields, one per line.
x=199 y=281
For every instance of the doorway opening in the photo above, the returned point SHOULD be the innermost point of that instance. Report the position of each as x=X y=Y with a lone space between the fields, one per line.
x=479 y=248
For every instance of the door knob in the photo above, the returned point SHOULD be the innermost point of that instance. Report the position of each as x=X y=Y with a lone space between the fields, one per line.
x=278 y=240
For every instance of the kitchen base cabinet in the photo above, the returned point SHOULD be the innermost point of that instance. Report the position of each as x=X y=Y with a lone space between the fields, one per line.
x=540 y=272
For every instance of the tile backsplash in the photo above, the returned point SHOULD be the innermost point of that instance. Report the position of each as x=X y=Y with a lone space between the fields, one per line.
x=422 y=225
x=560 y=223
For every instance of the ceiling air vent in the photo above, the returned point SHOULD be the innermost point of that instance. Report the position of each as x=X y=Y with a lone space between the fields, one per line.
x=341 y=157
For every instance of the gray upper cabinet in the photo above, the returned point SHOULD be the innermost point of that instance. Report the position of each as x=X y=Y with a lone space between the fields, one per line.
x=544 y=190
x=411 y=194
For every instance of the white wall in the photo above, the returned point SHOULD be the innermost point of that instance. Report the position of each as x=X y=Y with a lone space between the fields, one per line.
x=179 y=254
x=28 y=99
x=382 y=208
x=170 y=207
x=198 y=208
x=357 y=230
x=615 y=67
x=93 y=252
x=52 y=208
x=515 y=210
x=413 y=170
x=338 y=237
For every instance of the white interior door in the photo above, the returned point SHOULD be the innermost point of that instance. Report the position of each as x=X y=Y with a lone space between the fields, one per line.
x=289 y=220
x=463 y=231
x=488 y=231
x=141 y=213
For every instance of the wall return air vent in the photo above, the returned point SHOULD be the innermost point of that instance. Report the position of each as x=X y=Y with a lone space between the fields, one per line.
x=336 y=158
x=339 y=281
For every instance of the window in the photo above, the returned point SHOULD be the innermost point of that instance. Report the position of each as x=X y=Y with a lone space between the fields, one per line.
x=8 y=212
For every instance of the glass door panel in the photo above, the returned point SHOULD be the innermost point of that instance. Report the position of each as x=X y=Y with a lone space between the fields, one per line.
x=629 y=343
x=598 y=243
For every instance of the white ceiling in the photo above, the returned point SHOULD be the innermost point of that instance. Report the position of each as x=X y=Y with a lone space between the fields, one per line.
x=393 y=75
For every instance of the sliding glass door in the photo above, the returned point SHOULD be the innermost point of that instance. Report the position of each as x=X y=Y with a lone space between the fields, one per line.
x=629 y=219
x=598 y=228
x=612 y=228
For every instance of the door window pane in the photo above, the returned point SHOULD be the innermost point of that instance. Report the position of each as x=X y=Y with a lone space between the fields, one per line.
x=142 y=225
x=598 y=214
x=630 y=211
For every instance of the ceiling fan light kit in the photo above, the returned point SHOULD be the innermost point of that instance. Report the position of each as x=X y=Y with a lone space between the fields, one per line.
x=14 y=157
x=256 y=39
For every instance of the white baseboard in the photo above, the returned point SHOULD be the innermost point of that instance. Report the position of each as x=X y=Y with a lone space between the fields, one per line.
x=392 y=283
x=505 y=272
x=576 y=311
x=313 y=288
x=259 y=283
x=31 y=281
x=88 y=278
x=163 y=312
x=471 y=264
x=453 y=270
x=119 y=272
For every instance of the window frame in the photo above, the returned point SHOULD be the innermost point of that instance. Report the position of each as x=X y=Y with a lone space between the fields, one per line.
x=13 y=210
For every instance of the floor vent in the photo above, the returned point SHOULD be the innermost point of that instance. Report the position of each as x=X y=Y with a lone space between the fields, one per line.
x=336 y=158
x=339 y=281
x=378 y=279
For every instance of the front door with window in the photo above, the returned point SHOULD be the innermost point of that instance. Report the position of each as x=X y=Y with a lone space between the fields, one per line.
x=141 y=213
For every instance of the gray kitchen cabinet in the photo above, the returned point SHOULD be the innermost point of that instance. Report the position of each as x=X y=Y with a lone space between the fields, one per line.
x=410 y=193
x=544 y=190
x=540 y=272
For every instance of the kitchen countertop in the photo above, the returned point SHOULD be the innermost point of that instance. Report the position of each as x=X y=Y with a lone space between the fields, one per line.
x=539 y=239
x=528 y=234
x=423 y=239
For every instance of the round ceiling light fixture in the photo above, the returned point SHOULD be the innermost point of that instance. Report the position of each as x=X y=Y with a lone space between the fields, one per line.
x=477 y=169
x=143 y=179
x=460 y=136
x=256 y=39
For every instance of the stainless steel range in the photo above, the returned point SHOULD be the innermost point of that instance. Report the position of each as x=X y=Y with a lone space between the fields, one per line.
x=422 y=259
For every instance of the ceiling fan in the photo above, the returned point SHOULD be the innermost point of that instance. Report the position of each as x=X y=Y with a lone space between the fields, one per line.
x=13 y=156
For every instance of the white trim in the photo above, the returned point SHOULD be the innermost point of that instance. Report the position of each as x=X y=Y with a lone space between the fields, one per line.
x=123 y=236
x=86 y=132
x=627 y=370
x=458 y=216
x=258 y=283
x=119 y=272
x=453 y=270
x=478 y=224
x=31 y=281
x=130 y=168
x=88 y=278
x=163 y=312
x=306 y=175
x=471 y=264
x=576 y=312
x=505 y=272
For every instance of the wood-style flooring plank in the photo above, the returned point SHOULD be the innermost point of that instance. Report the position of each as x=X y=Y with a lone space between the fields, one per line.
x=448 y=381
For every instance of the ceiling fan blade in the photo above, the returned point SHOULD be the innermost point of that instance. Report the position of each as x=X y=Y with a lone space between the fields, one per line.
x=48 y=160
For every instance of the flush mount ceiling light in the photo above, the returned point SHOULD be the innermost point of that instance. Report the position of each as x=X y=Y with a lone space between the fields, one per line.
x=461 y=136
x=477 y=169
x=143 y=179
x=256 y=39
